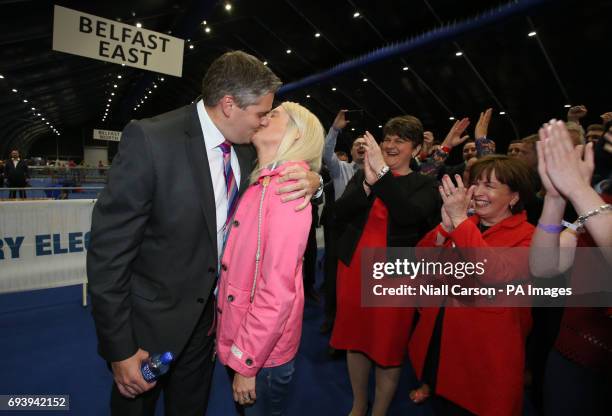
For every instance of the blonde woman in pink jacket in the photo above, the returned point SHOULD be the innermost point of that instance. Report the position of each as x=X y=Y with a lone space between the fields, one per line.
x=261 y=297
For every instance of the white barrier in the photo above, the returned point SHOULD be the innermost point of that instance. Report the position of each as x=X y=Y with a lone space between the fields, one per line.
x=43 y=244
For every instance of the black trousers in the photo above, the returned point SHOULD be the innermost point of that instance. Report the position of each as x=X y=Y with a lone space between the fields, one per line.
x=186 y=386
x=13 y=194
x=330 y=269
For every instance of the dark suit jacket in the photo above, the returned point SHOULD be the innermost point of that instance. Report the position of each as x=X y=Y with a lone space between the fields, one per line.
x=16 y=176
x=152 y=259
x=413 y=203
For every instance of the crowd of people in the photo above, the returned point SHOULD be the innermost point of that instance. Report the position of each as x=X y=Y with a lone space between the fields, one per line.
x=199 y=246
x=474 y=360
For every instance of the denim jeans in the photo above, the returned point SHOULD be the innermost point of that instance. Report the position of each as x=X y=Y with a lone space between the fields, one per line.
x=272 y=388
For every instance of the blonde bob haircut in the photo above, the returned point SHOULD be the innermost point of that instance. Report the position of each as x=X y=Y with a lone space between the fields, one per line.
x=303 y=140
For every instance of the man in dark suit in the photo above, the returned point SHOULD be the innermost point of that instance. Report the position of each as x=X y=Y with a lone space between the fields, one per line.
x=17 y=174
x=157 y=234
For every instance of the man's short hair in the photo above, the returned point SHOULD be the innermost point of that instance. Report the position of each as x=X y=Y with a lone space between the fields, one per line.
x=240 y=75
x=596 y=127
x=407 y=127
x=530 y=140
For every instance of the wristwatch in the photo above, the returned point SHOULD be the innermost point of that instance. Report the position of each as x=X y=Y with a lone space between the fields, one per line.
x=319 y=189
x=382 y=172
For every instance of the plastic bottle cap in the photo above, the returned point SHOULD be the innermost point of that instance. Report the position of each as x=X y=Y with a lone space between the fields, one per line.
x=167 y=358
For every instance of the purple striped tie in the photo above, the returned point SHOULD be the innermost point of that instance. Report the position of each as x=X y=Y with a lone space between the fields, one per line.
x=230 y=181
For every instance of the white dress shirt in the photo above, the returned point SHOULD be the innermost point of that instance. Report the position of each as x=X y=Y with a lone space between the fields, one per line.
x=212 y=139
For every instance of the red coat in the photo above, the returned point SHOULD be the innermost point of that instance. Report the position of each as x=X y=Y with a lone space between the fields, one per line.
x=482 y=350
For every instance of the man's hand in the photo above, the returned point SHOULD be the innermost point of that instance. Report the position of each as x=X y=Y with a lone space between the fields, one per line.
x=428 y=139
x=128 y=377
x=305 y=186
x=482 y=127
x=244 y=389
x=605 y=117
x=453 y=138
x=340 y=121
x=576 y=112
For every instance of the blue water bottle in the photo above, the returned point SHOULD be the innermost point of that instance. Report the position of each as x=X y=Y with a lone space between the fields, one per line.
x=156 y=366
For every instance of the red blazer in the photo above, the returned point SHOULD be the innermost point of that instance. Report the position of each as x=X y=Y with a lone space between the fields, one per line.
x=482 y=351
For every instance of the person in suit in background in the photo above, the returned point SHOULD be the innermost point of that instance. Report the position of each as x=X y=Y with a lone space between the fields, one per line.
x=17 y=175
x=158 y=230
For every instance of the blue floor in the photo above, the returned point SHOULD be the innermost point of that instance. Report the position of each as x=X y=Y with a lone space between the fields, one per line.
x=48 y=346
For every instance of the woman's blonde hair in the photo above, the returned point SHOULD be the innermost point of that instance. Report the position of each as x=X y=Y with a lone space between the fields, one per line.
x=308 y=147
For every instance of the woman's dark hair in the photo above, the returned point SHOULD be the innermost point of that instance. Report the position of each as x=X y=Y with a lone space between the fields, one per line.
x=407 y=127
x=510 y=171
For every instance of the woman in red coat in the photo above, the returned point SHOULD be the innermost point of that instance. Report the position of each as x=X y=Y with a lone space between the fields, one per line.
x=471 y=359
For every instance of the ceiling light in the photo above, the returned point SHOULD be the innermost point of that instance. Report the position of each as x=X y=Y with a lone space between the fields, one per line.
x=119 y=76
x=451 y=118
x=352 y=128
x=333 y=88
x=458 y=53
x=14 y=90
x=112 y=93
x=288 y=51
x=307 y=95
x=139 y=25
x=38 y=114
x=122 y=64
x=567 y=105
x=501 y=113
x=133 y=14
x=228 y=7
x=47 y=123
x=365 y=80
x=531 y=34
x=43 y=119
x=190 y=46
x=265 y=62
x=110 y=100
x=380 y=126
x=356 y=15
x=317 y=35
x=207 y=30
x=33 y=108
x=405 y=68
x=154 y=85
x=25 y=101
x=162 y=79
x=1 y=76
x=204 y=22
x=115 y=86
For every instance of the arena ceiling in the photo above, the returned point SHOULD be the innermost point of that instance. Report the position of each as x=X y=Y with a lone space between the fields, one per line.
x=436 y=59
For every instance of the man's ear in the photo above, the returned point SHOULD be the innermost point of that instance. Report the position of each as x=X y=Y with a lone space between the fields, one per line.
x=227 y=104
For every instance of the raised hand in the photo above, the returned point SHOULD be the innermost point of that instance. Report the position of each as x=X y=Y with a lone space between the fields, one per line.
x=456 y=199
x=454 y=138
x=428 y=139
x=550 y=189
x=340 y=121
x=482 y=127
x=568 y=168
x=576 y=112
x=605 y=117
x=373 y=152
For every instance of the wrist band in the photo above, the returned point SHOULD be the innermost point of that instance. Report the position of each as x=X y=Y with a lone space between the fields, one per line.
x=445 y=149
x=367 y=184
x=550 y=228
